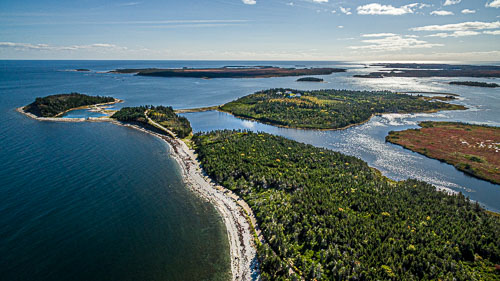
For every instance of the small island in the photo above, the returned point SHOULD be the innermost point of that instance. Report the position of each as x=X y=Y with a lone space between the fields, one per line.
x=229 y=72
x=56 y=105
x=82 y=70
x=327 y=109
x=310 y=79
x=328 y=216
x=473 y=149
x=475 y=84
x=432 y=70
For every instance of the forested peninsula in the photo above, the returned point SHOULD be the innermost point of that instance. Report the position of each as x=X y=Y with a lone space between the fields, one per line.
x=229 y=72
x=327 y=109
x=56 y=105
x=473 y=149
x=328 y=216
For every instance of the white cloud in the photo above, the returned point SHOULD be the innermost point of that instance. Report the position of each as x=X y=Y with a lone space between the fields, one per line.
x=468 y=11
x=394 y=43
x=455 y=34
x=492 y=32
x=451 y=2
x=379 y=9
x=493 y=4
x=290 y=4
x=442 y=13
x=378 y=35
x=320 y=1
x=249 y=2
x=470 y=25
x=340 y=26
x=46 y=47
x=346 y=11
x=129 y=4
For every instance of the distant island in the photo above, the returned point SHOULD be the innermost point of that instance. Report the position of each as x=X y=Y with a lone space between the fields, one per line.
x=229 y=72
x=475 y=84
x=473 y=149
x=433 y=70
x=310 y=79
x=327 y=109
x=82 y=70
x=57 y=105
x=328 y=216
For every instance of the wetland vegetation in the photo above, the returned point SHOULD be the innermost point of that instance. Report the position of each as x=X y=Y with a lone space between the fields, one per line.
x=473 y=149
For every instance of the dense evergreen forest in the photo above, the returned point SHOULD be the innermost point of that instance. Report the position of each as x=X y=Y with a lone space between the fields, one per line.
x=475 y=84
x=328 y=216
x=326 y=109
x=162 y=115
x=51 y=106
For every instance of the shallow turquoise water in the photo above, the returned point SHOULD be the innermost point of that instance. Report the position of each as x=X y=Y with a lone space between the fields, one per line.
x=82 y=113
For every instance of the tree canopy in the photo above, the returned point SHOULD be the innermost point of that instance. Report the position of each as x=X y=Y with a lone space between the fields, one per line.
x=329 y=216
x=51 y=106
x=163 y=115
x=326 y=109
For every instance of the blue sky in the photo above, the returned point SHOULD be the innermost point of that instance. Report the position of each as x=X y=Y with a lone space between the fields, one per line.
x=251 y=29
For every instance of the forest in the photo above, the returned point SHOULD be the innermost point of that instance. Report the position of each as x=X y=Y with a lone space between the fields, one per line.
x=163 y=115
x=329 y=216
x=51 y=106
x=326 y=109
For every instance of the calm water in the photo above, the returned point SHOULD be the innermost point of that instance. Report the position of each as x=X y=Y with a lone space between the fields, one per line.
x=94 y=201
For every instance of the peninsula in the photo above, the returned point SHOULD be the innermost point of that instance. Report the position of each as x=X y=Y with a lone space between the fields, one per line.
x=433 y=70
x=162 y=122
x=229 y=72
x=473 y=149
x=327 y=109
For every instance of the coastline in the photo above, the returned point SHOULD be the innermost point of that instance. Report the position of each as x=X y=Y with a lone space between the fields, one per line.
x=237 y=216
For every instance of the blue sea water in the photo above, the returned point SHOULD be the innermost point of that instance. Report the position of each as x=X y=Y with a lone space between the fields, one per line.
x=95 y=201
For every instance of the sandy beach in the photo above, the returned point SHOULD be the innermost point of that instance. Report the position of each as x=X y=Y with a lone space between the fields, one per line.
x=236 y=214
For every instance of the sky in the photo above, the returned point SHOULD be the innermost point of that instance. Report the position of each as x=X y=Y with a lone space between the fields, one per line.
x=368 y=30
